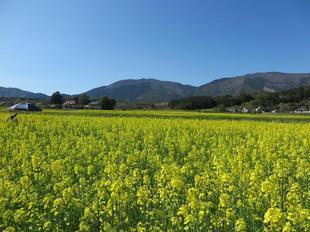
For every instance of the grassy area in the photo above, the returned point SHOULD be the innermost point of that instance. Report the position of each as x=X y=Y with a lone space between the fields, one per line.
x=176 y=114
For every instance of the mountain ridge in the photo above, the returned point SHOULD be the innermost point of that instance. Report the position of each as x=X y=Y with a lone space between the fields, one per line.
x=153 y=90
x=256 y=82
x=11 y=92
x=248 y=83
x=143 y=90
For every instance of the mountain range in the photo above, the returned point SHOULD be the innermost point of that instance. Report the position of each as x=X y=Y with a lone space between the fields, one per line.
x=148 y=90
x=18 y=93
x=152 y=90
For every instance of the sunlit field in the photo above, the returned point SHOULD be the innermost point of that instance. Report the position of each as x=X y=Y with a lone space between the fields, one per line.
x=88 y=170
x=175 y=114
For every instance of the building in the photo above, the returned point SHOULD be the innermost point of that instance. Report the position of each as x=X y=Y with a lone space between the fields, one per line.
x=302 y=109
x=94 y=105
x=68 y=104
x=244 y=110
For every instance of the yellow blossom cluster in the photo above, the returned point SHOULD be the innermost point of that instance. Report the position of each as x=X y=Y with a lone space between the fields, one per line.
x=76 y=173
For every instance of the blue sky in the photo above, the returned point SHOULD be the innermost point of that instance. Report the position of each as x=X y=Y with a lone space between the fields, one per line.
x=75 y=45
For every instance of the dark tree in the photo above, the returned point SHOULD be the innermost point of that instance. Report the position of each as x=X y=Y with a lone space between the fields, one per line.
x=83 y=99
x=192 y=103
x=57 y=98
x=107 y=103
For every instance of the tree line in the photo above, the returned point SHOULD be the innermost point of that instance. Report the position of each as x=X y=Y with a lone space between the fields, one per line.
x=105 y=103
x=283 y=101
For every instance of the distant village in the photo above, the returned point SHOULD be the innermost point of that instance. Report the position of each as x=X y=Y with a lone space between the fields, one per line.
x=71 y=104
x=79 y=102
x=289 y=101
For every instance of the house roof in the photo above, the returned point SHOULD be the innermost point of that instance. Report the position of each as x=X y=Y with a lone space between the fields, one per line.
x=70 y=102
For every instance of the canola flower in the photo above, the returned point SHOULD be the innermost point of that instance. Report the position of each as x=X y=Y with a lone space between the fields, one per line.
x=73 y=173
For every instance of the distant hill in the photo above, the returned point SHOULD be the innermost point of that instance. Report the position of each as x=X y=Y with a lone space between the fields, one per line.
x=155 y=91
x=152 y=90
x=148 y=90
x=18 y=93
x=257 y=82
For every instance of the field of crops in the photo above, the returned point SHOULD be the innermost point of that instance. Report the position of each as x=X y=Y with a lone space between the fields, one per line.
x=69 y=172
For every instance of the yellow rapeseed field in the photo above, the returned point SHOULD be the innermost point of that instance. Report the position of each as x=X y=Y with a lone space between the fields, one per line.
x=79 y=173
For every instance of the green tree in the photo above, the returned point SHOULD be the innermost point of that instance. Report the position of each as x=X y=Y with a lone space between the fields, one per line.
x=107 y=103
x=57 y=98
x=83 y=99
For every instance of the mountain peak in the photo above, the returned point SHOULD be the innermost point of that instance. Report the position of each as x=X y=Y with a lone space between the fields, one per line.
x=144 y=89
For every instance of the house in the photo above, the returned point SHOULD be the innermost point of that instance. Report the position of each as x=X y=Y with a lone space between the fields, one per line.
x=244 y=110
x=258 y=109
x=233 y=109
x=94 y=105
x=68 y=104
x=302 y=109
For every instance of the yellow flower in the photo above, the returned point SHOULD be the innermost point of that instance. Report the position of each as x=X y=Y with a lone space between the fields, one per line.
x=240 y=225
x=176 y=183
